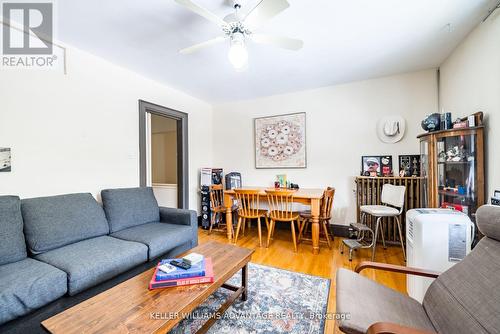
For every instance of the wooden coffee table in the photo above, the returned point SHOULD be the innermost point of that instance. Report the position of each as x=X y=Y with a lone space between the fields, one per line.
x=130 y=307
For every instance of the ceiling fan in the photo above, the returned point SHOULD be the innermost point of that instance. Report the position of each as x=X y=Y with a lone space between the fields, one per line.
x=238 y=29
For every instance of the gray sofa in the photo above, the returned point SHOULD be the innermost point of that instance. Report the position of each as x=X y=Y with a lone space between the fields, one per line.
x=25 y=284
x=74 y=244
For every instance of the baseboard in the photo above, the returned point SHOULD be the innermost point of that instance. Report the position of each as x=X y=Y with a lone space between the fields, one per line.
x=338 y=230
x=342 y=231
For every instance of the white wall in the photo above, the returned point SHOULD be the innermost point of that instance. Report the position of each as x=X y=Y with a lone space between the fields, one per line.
x=79 y=132
x=341 y=127
x=470 y=81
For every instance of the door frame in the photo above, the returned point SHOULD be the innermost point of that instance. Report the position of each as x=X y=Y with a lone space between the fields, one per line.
x=182 y=147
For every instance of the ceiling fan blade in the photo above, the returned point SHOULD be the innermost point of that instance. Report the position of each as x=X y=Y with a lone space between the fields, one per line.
x=263 y=12
x=201 y=11
x=279 y=41
x=202 y=45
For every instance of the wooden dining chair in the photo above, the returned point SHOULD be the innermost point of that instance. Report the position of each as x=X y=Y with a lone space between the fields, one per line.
x=324 y=217
x=281 y=209
x=218 y=208
x=248 y=208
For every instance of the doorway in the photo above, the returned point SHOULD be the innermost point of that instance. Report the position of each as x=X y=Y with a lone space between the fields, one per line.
x=163 y=154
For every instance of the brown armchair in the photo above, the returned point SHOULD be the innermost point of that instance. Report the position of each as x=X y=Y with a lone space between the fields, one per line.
x=463 y=299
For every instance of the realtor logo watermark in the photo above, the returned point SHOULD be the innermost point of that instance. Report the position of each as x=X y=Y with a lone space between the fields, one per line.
x=27 y=34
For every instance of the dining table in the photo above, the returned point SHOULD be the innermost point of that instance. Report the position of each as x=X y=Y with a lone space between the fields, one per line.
x=306 y=196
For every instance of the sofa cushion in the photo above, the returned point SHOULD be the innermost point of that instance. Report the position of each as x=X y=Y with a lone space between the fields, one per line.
x=129 y=207
x=93 y=261
x=159 y=237
x=52 y=222
x=12 y=243
x=367 y=302
x=27 y=285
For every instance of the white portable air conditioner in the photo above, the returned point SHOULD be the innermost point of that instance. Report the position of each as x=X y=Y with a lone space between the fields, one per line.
x=436 y=239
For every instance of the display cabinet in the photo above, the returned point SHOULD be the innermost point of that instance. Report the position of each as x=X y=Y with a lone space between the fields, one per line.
x=452 y=165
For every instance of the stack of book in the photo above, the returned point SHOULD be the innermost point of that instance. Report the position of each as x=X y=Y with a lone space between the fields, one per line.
x=200 y=273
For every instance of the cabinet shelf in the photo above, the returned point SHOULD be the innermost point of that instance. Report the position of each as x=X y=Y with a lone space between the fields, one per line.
x=452 y=194
x=455 y=162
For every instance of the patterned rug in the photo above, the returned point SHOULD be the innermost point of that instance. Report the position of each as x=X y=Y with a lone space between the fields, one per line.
x=279 y=301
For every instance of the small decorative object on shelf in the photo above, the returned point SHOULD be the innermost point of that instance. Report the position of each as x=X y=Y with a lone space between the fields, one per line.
x=281 y=180
x=459 y=124
x=446 y=121
x=432 y=122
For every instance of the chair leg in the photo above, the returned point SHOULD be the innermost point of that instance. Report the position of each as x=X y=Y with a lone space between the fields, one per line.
x=350 y=254
x=361 y=235
x=377 y=224
x=382 y=233
x=293 y=236
x=325 y=228
x=238 y=229
x=273 y=225
x=267 y=223
x=212 y=222
x=302 y=223
x=401 y=237
x=243 y=223
x=260 y=232
x=269 y=232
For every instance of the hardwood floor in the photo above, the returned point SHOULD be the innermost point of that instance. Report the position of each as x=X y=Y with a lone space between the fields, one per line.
x=280 y=254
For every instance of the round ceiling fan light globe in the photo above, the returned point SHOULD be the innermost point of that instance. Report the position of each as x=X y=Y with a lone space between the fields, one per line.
x=238 y=55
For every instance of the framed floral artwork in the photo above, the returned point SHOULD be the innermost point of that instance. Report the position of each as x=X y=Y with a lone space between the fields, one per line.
x=280 y=141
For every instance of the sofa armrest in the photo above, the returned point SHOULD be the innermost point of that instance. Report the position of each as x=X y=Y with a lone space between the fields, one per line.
x=397 y=269
x=178 y=216
x=390 y=328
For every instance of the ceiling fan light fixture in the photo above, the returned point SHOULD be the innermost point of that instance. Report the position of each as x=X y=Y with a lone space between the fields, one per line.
x=238 y=55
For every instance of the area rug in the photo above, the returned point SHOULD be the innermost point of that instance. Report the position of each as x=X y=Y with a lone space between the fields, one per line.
x=279 y=301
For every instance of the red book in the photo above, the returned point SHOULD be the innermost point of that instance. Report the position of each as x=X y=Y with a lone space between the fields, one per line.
x=208 y=278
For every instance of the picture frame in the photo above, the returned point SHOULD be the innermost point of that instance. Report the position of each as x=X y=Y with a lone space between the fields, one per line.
x=5 y=159
x=409 y=165
x=280 y=141
x=376 y=165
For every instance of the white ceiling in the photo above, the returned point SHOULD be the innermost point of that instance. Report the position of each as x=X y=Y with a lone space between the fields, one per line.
x=344 y=40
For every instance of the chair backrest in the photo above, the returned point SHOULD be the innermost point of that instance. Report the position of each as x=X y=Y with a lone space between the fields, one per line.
x=248 y=202
x=393 y=195
x=280 y=204
x=327 y=202
x=466 y=298
x=216 y=196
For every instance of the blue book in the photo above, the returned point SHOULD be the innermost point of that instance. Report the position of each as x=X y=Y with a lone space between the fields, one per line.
x=196 y=270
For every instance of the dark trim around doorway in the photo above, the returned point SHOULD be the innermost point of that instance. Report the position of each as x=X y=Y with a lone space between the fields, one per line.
x=182 y=147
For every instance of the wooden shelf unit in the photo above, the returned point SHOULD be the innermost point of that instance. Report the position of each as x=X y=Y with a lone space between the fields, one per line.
x=438 y=173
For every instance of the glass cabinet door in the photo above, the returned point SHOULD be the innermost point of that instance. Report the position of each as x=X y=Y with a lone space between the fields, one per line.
x=424 y=172
x=457 y=172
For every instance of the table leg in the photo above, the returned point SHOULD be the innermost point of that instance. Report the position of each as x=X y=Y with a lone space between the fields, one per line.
x=315 y=203
x=228 y=202
x=244 y=282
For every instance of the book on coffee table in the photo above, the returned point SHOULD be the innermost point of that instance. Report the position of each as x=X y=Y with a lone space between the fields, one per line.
x=207 y=278
x=196 y=270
